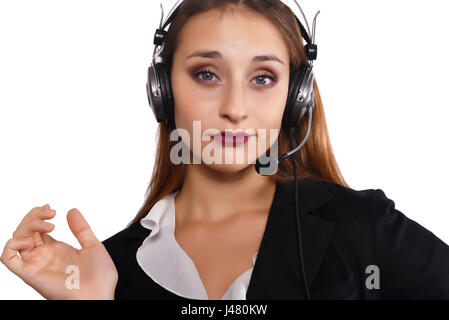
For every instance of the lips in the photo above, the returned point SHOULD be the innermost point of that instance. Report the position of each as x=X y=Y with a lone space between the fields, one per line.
x=232 y=139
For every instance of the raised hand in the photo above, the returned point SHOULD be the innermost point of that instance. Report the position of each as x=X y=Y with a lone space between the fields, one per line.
x=53 y=267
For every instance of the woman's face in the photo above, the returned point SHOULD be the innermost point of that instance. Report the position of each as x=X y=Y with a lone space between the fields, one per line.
x=229 y=90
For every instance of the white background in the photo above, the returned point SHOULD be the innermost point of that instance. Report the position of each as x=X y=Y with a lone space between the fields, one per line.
x=76 y=129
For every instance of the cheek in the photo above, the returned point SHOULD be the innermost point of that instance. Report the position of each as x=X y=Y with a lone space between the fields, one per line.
x=189 y=111
x=189 y=105
x=271 y=111
x=269 y=117
x=269 y=126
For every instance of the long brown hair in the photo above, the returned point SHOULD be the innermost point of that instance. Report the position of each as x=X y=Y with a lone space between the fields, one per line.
x=315 y=160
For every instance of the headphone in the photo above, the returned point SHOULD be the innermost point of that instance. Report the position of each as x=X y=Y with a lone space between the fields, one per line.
x=300 y=98
x=300 y=93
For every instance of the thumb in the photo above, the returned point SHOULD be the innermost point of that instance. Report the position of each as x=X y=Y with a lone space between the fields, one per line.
x=82 y=231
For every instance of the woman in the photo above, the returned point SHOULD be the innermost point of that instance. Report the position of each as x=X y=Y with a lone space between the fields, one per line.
x=235 y=235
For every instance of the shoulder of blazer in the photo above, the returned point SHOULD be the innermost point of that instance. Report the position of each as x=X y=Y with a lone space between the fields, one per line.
x=122 y=243
x=351 y=205
x=347 y=204
x=412 y=260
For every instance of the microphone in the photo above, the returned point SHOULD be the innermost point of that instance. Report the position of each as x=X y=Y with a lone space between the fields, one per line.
x=268 y=165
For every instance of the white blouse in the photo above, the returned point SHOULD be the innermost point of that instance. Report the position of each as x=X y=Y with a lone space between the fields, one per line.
x=166 y=262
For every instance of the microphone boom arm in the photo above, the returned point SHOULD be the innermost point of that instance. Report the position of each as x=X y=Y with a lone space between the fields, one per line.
x=286 y=155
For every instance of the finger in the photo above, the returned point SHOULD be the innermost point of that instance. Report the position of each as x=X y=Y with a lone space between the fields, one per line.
x=32 y=224
x=28 y=229
x=80 y=228
x=9 y=255
x=44 y=212
x=37 y=213
x=32 y=229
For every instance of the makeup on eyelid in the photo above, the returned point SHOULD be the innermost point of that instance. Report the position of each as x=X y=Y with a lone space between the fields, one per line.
x=264 y=74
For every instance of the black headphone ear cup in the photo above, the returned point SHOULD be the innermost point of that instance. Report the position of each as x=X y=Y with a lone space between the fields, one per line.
x=291 y=114
x=154 y=99
x=162 y=71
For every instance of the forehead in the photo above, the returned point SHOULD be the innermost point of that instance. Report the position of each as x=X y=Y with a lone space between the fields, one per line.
x=232 y=30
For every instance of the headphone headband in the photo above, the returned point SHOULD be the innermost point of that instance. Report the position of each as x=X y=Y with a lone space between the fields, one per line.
x=310 y=48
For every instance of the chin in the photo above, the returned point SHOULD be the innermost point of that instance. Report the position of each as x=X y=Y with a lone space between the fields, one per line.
x=230 y=168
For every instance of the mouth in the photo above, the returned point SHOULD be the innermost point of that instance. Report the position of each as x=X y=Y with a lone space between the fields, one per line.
x=232 y=139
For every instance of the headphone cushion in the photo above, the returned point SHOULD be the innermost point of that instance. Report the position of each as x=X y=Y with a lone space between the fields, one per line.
x=166 y=91
x=296 y=78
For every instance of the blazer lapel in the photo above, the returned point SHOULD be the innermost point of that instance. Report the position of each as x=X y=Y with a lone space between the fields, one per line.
x=277 y=273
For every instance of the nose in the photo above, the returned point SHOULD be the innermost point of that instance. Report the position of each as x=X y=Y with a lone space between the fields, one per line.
x=233 y=107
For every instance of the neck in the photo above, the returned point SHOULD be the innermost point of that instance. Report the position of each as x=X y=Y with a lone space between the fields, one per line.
x=210 y=196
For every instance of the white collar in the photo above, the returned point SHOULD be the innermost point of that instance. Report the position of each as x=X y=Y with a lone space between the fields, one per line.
x=153 y=220
x=167 y=264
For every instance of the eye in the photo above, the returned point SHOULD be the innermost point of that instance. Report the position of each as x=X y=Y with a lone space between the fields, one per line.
x=264 y=76
x=209 y=75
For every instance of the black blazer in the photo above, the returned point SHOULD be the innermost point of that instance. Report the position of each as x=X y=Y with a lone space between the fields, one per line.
x=345 y=233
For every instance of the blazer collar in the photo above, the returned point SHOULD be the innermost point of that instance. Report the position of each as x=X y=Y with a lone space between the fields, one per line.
x=277 y=272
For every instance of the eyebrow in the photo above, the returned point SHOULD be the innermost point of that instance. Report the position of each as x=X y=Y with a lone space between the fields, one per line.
x=217 y=55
